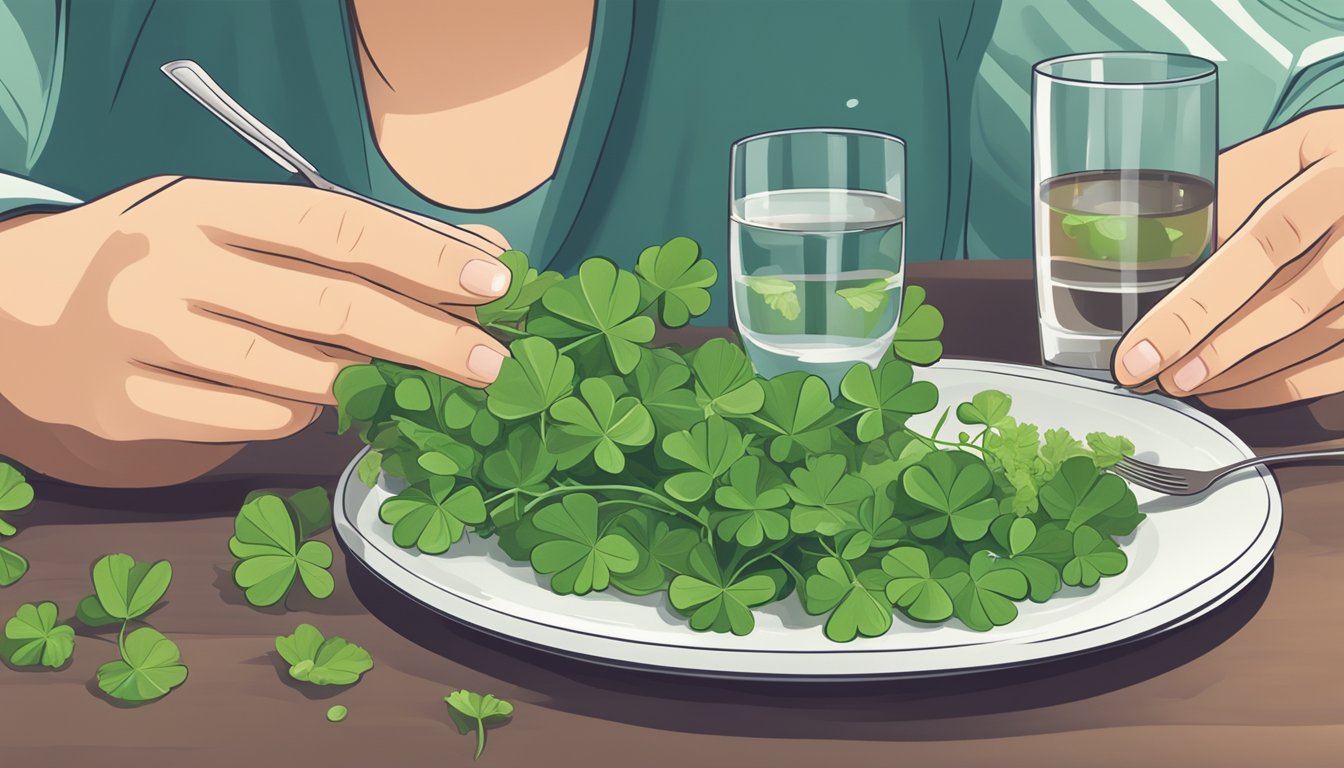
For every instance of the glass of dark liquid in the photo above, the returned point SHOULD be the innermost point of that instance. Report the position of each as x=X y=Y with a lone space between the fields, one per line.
x=1124 y=165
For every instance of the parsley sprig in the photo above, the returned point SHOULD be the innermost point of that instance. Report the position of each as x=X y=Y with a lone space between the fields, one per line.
x=607 y=462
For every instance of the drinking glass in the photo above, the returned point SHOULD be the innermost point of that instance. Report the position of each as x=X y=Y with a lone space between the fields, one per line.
x=1124 y=160
x=817 y=247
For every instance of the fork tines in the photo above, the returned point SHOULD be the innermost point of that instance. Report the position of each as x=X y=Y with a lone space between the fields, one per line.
x=1149 y=476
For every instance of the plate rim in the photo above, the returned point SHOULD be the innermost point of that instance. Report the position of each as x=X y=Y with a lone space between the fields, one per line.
x=370 y=556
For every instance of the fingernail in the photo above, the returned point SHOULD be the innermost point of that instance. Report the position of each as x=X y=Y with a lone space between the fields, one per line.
x=1141 y=361
x=1191 y=375
x=485 y=278
x=484 y=362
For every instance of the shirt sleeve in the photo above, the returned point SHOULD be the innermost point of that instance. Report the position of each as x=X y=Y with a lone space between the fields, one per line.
x=1317 y=82
x=32 y=38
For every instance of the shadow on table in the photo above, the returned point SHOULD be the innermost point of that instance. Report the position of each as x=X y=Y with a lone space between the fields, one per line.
x=890 y=710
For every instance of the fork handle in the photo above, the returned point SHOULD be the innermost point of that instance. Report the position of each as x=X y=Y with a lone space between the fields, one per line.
x=1281 y=458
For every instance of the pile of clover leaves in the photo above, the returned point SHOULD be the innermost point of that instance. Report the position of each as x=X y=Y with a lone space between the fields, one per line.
x=608 y=462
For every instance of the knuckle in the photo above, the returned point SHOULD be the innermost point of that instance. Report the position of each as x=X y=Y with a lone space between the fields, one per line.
x=1277 y=237
x=332 y=308
x=335 y=224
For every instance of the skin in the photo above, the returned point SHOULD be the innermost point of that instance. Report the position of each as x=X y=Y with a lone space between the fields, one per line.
x=1260 y=323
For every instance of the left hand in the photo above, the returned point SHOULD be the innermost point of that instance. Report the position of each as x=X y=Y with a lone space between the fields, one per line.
x=1262 y=321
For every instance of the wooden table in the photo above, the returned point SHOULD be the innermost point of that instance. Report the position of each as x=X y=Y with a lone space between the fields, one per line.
x=1257 y=682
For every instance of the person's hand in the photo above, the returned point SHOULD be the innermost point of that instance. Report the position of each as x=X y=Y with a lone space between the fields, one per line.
x=212 y=312
x=1262 y=321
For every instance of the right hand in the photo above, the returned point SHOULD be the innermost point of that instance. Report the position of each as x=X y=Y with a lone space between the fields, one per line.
x=181 y=309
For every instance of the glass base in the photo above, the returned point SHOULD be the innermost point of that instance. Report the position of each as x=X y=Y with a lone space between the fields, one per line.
x=770 y=364
x=1078 y=351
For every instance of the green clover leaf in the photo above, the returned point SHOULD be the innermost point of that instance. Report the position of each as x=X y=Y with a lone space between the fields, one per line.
x=989 y=408
x=530 y=381
x=797 y=406
x=12 y=566
x=918 y=330
x=958 y=495
x=752 y=501
x=523 y=463
x=886 y=397
x=15 y=494
x=827 y=496
x=597 y=424
x=578 y=557
x=266 y=543
x=432 y=517
x=1094 y=556
x=715 y=602
x=149 y=668
x=33 y=637
x=869 y=297
x=123 y=589
x=983 y=593
x=877 y=528
x=709 y=449
x=913 y=588
x=360 y=391
x=525 y=289
x=439 y=454
x=660 y=381
x=1080 y=494
x=674 y=274
x=858 y=604
x=725 y=382
x=661 y=548
x=322 y=661
x=472 y=711
x=600 y=303
x=779 y=294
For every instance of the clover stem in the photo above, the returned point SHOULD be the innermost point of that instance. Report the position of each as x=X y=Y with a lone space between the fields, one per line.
x=941 y=420
x=507 y=329
x=672 y=505
x=797 y=577
x=762 y=556
x=543 y=426
x=504 y=494
x=480 y=738
x=121 y=638
x=575 y=344
x=764 y=423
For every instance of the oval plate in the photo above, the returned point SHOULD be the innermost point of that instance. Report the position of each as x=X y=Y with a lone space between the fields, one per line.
x=1189 y=556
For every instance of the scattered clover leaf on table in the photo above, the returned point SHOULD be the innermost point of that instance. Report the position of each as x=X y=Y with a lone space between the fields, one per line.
x=608 y=461
x=271 y=553
x=150 y=666
x=474 y=712
x=123 y=589
x=15 y=494
x=33 y=637
x=322 y=660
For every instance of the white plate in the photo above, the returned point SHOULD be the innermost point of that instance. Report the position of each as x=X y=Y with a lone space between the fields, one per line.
x=1189 y=556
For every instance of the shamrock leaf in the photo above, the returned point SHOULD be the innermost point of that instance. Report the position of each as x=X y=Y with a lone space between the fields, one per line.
x=369 y=467
x=360 y=392
x=598 y=425
x=958 y=495
x=266 y=543
x=869 y=297
x=149 y=667
x=33 y=637
x=675 y=274
x=15 y=494
x=982 y=594
x=752 y=501
x=661 y=548
x=526 y=287
x=876 y=529
x=1107 y=450
x=989 y=408
x=716 y=602
x=1080 y=494
x=858 y=604
x=533 y=379
x=796 y=406
x=432 y=517
x=522 y=464
x=913 y=587
x=580 y=560
x=660 y=383
x=918 y=330
x=601 y=302
x=123 y=589
x=886 y=397
x=472 y=711
x=439 y=453
x=779 y=294
x=827 y=496
x=725 y=382
x=1094 y=556
x=709 y=448
x=12 y=566
x=322 y=661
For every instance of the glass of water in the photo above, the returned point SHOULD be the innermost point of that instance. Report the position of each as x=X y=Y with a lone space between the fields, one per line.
x=817 y=247
x=1125 y=155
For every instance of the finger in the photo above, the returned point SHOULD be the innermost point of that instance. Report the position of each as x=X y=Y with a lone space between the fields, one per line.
x=214 y=349
x=173 y=407
x=1252 y=169
x=1318 y=337
x=1278 y=311
x=352 y=315
x=436 y=265
x=489 y=233
x=1316 y=377
x=1285 y=226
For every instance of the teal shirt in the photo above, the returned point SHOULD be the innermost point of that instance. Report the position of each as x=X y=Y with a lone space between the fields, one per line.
x=669 y=85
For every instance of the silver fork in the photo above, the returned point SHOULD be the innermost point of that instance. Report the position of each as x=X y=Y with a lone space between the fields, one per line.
x=1188 y=482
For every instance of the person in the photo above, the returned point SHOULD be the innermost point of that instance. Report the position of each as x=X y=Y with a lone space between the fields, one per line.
x=168 y=295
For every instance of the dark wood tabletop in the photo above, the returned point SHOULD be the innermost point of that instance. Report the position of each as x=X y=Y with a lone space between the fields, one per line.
x=1259 y=681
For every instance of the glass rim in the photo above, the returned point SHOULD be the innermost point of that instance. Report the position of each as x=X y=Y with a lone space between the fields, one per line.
x=836 y=131
x=1206 y=69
